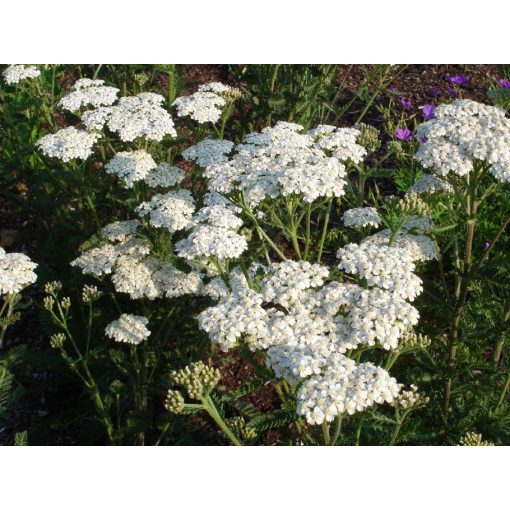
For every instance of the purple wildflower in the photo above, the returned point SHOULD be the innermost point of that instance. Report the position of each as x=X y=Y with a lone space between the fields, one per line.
x=486 y=245
x=405 y=103
x=457 y=79
x=428 y=111
x=422 y=139
x=452 y=92
x=505 y=84
x=434 y=91
x=403 y=134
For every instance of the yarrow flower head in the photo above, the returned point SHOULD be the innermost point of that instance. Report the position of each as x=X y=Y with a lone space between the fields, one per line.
x=362 y=217
x=131 y=167
x=19 y=72
x=464 y=132
x=16 y=272
x=68 y=144
x=207 y=103
x=88 y=92
x=208 y=152
x=164 y=176
x=305 y=325
x=172 y=210
x=128 y=328
x=213 y=235
x=282 y=161
x=120 y=230
x=430 y=184
x=140 y=116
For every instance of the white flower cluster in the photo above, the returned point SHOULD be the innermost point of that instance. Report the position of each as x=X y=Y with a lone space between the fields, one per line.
x=349 y=388
x=133 y=272
x=140 y=116
x=128 y=328
x=172 y=210
x=16 y=272
x=131 y=166
x=164 y=176
x=339 y=142
x=387 y=267
x=18 y=72
x=208 y=152
x=418 y=247
x=306 y=326
x=463 y=132
x=431 y=184
x=120 y=230
x=68 y=144
x=102 y=259
x=89 y=92
x=206 y=104
x=362 y=217
x=279 y=161
x=213 y=235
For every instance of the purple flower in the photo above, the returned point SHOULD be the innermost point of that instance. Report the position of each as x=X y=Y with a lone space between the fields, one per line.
x=421 y=139
x=505 y=84
x=405 y=103
x=486 y=245
x=452 y=92
x=434 y=92
x=457 y=79
x=403 y=134
x=428 y=111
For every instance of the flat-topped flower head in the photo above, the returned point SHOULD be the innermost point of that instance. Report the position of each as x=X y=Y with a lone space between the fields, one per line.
x=207 y=104
x=68 y=144
x=16 y=272
x=88 y=92
x=283 y=160
x=140 y=116
x=172 y=210
x=19 y=72
x=131 y=167
x=164 y=176
x=362 y=217
x=462 y=133
x=120 y=230
x=128 y=328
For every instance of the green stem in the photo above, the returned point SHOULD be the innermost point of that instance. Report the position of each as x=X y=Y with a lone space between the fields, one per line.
x=213 y=413
x=325 y=433
x=324 y=229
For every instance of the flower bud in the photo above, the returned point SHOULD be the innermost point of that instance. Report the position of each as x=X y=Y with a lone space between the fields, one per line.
x=174 y=401
x=57 y=340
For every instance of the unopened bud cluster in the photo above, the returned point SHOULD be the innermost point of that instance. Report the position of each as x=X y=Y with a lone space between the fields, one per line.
x=53 y=288
x=368 y=137
x=57 y=340
x=198 y=379
x=238 y=426
x=48 y=303
x=90 y=293
x=473 y=439
x=65 y=303
x=174 y=401
x=397 y=149
x=411 y=398
x=414 y=341
x=411 y=203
